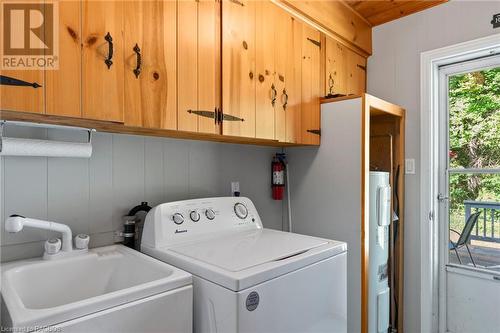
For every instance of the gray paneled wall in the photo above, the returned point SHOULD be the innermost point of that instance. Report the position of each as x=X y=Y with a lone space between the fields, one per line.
x=394 y=75
x=92 y=195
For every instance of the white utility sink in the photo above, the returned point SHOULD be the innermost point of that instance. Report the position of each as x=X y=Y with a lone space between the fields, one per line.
x=55 y=292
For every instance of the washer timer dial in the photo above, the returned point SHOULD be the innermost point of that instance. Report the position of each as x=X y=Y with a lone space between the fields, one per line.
x=210 y=214
x=178 y=218
x=241 y=210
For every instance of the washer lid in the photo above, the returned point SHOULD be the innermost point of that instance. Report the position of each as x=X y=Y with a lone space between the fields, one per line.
x=244 y=250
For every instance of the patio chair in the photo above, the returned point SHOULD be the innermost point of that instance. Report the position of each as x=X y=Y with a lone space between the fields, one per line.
x=464 y=237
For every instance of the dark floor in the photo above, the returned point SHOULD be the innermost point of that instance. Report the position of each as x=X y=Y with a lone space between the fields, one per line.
x=485 y=254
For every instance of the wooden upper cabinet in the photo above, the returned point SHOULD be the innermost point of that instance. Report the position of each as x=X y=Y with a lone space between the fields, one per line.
x=28 y=97
x=293 y=86
x=198 y=42
x=150 y=63
x=24 y=89
x=287 y=77
x=335 y=68
x=103 y=65
x=311 y=86
x=209 y=64
x=345 y=70
x=63 y=86
x=356 y=73
x=238 y=67
x=187 y=54
x=266 y=91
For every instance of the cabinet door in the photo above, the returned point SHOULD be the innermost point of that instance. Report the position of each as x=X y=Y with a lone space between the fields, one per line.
x=266 y=92
x=294 y=85
x=238 y=67
x=335 y=68
x=356 y=78
x=209 y=69
x=150 y=63
x=198 y=65
x=311 y=86
x=103 y=66
x=63 y=86
x=287 y=78
x=187 y=55
x=24 y=93
x=23 y=89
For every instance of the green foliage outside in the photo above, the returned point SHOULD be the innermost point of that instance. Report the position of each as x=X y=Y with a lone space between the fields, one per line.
x=474 y=104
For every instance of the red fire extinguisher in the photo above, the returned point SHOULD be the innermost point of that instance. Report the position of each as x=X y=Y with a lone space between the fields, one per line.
x=278 y=176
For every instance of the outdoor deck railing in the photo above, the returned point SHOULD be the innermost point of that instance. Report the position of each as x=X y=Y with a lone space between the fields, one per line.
x=488 y=225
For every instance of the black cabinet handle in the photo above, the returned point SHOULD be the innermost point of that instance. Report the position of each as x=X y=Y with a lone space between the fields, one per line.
x=109 y=60
x=273 y=95
x=315 y=131
x=137 y=69
x=10 y=81
x=285 y=95
x=330 y=85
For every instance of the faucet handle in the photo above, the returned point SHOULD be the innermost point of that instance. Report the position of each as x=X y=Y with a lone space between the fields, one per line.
x=53 y=246
x=82 y=241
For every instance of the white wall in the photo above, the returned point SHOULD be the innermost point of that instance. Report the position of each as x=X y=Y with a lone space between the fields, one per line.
x=394 y=75
x=92 y=195
x=325 y=186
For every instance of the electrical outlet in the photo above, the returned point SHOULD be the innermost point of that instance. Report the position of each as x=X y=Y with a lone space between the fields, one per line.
x=410 y=166
x=235 y=189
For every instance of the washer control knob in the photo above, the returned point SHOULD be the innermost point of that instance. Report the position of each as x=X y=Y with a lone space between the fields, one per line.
x=178 y=218
x=210 y=214
x=241 y=210
x=194 y=216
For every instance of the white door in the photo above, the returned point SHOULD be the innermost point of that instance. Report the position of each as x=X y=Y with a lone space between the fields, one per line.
x=469 y=195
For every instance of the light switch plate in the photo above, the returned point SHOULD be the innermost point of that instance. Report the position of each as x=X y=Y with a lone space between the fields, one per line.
x=410 y=166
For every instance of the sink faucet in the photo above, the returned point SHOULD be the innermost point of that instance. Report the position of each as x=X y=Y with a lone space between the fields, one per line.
x=16 y=223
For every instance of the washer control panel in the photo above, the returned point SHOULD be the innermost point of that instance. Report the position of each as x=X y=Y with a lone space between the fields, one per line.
x=182 y=221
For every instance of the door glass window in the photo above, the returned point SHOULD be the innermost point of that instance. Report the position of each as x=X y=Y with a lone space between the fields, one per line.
x=473 y=169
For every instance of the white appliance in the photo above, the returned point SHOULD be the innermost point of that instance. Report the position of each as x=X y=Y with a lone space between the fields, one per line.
x=379 y=220
x=247 y=278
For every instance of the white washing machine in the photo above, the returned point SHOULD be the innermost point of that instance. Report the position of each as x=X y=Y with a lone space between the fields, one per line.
x=247 y=278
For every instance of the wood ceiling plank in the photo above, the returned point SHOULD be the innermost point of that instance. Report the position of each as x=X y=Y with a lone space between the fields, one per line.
x=404 y=9
x=379 y=12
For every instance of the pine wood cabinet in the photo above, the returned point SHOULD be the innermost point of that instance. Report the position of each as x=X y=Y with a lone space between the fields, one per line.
x=28 y=97
x=102 y=60
x=198 y=53
x=356 y=73
x=238 y=67
x=345 y=70
x=310 y=132
x=63 y=86
x=266 y=92
x=150 y=63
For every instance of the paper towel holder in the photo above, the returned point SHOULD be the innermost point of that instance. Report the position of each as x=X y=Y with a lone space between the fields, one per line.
x=29 y=124
x=44 y=148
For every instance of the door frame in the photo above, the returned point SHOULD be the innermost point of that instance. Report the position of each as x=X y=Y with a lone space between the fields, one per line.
x=430 y=62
